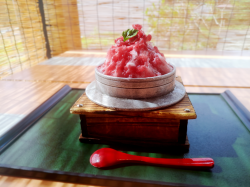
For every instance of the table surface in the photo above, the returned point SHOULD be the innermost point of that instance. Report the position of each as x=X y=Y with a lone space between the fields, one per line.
x=201 y=74
x=52 y=145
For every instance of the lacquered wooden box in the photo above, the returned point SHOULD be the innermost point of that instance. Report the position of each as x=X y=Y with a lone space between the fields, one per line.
x=163 y=127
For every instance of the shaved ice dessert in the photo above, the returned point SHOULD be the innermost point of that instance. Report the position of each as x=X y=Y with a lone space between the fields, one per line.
x=134 y=56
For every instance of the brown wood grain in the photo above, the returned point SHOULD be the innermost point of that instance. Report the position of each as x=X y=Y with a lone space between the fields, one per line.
x=7 y=181
x=137 y=131
x=56 y=74
x=21 y=98
x=81 y=76
x=103 y=120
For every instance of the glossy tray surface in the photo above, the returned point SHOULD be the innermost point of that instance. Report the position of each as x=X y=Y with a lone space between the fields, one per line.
x=52 y=144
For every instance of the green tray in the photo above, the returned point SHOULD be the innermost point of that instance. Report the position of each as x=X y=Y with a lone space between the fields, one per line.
x=50 y=149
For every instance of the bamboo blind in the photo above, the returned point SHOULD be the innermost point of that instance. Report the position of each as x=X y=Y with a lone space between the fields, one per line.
x=62 y=23
x=176 y=25
x=22 y=42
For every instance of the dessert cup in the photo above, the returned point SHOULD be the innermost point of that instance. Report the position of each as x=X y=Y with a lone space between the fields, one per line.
x=135 y=88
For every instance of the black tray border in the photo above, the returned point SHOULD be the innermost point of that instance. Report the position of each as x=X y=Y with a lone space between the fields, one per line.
x=239 y=109
x=80 y=178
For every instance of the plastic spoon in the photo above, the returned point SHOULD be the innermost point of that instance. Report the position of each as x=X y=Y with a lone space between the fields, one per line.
x=107 y=157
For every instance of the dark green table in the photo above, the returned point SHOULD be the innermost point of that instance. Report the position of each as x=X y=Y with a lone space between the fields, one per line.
x=50 y=149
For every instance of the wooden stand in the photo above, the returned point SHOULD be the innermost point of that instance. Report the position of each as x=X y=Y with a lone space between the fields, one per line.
x=158 y=128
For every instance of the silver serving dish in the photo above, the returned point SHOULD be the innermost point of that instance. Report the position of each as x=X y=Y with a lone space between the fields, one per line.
x=135 y=88
x=135 y=94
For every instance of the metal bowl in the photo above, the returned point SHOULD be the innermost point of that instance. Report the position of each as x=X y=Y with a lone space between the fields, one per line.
x=135 y=88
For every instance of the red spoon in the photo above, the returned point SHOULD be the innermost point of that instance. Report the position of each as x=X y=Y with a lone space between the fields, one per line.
x=107 y=157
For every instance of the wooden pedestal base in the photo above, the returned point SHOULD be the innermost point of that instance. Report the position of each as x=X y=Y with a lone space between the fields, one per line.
x=141 y=143
x=135 y=131
x=166 y=127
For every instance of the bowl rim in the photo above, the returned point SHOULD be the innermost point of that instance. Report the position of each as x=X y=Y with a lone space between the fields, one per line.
x=147 y=79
